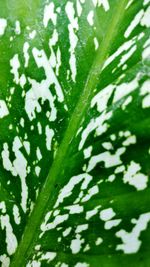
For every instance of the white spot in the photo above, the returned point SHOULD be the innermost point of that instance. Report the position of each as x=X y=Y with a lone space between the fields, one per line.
x=91 y=213
x=27 y=146
x=81 y=264
x=108 y=159
x=49 y=256
x=74 y=209
x=3 y=109
x=67 y=232
x=96 y=43
x=16 y=214
x=131 y=242
x=127 y=101
x=101 y=99
x=11 y=240
x=90 y=18
x=135 y=178
x=17 y=28
x=134 y=23
x=145 y=21
x=26 y=54
x=104 y=3
x=38 y=153
x=87 y=152
x=32 y=34
x=112 y=223
x=81 y=228
x=3 y=25
x=66 y=191
x=49 y=14
x=76 y=244
x=125 y=57
x=72 y=27
x=15 y=64
x=91 y=192
x=5 y=260
x=107 y=214
x=130 y=141
x=98 y=241
x=37 y=170
x=107 y=145
x=49 y=137
x=52 y=225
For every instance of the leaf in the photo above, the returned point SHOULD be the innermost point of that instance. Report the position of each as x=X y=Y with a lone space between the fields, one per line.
x=75 y=127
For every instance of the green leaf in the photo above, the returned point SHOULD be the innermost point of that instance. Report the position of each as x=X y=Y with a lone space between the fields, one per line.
x=75 y=127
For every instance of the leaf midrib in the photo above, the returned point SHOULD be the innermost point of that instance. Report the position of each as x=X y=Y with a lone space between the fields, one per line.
x=49 y=192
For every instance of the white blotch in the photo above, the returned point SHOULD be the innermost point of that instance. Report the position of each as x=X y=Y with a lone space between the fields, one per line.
x=80 y=228
x=52 y=225
x=111 y=178
x=127 y=101
x=130 y=140
x=16 y=214
x=26 y=53
x=3 y=109
x=145 y=21
x=72 y=27
x=38 y=153
x=79 y=8
x=96 y=43
x=145 y=90
x=104 y=3
x=101 y=99
x=125 y=57
x=49 y=137
x=135 y=178
x=108 y=159
x=49 y=256
x=66 y=232
x=82 y=264
x=27 y=146
x=146 y=2
x=37 y=170
x=134 y=23
x=11 y=240
x=32 y=34
x=5 y=260
x=74 y=209
x=87 y=152
x=131 y=242
x=107 y=214
x=99 y=124
x=41 y=90
x=76 y=244
x=15 y=65
x=98 y=241
x=91 y=213
x=112 y=223
x=17 y=27
x=107 y=145
x=3 y=25
x=49 y=14
x=91 y=192
x=90 y=18
x=3 y=207
x=66 y=191
x=120 y=169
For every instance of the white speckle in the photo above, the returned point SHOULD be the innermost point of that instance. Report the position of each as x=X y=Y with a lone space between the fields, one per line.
x=112 y=223
x=49 y=14
x=108 y=159
x=26 y=54
x=16 y=214
x=135 y=178
x=79 y=8
x=125 y=57
x=91 y=213
x=90 y=18
x=104 y=3
x=98 y=241
x=32 y=34
x=145 y=21
x=96 y=43
x=49 y=137
x=11 y=240
x=52 y=225
x=120 y=169
x=17 y=28
x=146 y=2
x=15 y=64
x=87 y=152
x=81 y=228
x=27 y=146
x=67 y=232
x=91 y=192
x=3 y=109
x=76 y=244
x=82 y=264
x=39 y=128
x=107 y=145
x=37 y=170
x=49 y=256
x=42 y=89
x=134 y=23
x=107 y=214
x=74 y=209
x=145 y=90
x=3 y=25
x=130 y=141
x=97 y=124
x=72 y=27
x=131 y=242
x=4 y=260
x=66 y=191
x=3 y=207
x=38 y=153
x=111 y=178
x=127 y=101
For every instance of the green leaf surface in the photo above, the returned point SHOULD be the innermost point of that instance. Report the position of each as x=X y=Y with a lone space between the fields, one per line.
x=75 y=133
